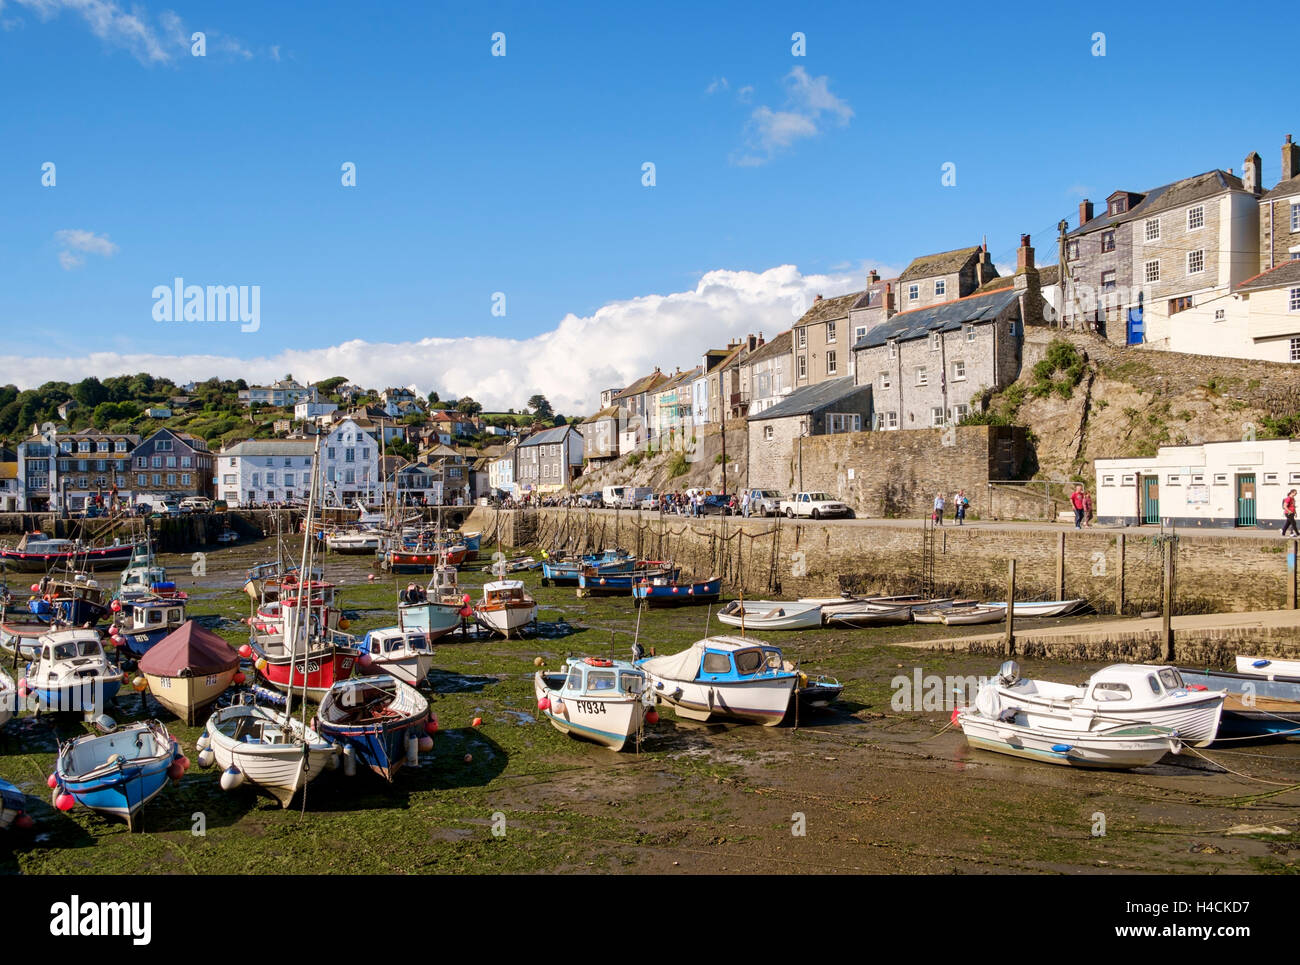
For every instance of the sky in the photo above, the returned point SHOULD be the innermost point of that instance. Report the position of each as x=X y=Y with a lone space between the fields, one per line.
x=504 y=235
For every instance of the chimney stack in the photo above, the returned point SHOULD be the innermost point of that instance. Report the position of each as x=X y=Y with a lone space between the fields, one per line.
x=1085 y=212
x=1027 y=285
x=1290 y=160
x=1250 y=173
x=817 y=299
x=872 y=277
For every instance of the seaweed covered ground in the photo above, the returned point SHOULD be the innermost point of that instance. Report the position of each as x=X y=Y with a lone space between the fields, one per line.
x=868 y=786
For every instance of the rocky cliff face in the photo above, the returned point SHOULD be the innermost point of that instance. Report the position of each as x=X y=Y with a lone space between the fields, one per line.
x=696 y=464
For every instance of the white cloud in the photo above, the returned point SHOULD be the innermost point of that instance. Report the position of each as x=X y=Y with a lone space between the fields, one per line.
x=275 y=52
x=745 y=94
x=134 y=32
x=74 y=240
x=717 y=85
x=809 y=106
x=570 y=364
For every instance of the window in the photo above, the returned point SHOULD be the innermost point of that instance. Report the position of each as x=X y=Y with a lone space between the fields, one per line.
x=142 y=480
x=893 y=349
x=1108 y=281
x=913 y=292
x=1270 y=479
x=163 y=445
x=803 y=338
x=959 y=371
x=716 y=662
x=1072 y=251
x=120 y=447
x=1295 y=350
x=83 y=446
x=958 y=412
x=1295 y=215
x=1196 y=217
x=936 y=416
x=1118 y=205
x=1107 y=241
x=1151 y=229
x=922 y=377
x=1108 y=690
x=767 y=433
x=1174 y=481
x=1198 y=479
x=1221 y=479
x=970 y=333
x=886 y=381
x=1293 y=478
x=1128 y=480
x=940 y=288
x=1177 y=305
x=171 y=479
x=270 y=479
x=187 y=462
x=803 y=366
x=1293 y=300
x=860 y=332
x=1196 y=261
x=831 y=365
x=1151 y=271
x=935 y=341
x=157 y=479
x=830 y=332
x=1108 y=480
x=1218 y=314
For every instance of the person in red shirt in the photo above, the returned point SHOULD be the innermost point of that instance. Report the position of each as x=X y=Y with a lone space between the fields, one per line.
x=1288 y=510
x=1076 y=500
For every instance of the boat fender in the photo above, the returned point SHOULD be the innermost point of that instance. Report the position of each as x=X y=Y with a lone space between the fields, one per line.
x=1197 y=687
x=349 y=761
x=231 y=778
x=1062 y=748
x=1261 y=663
x=206 y=757
x=412 y=751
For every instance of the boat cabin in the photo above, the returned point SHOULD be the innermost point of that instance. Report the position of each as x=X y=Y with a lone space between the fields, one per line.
x=593 y=677
x=82 y=646
x=144 y=616
x=736 y=658
x=504 y=592
x=393 y=641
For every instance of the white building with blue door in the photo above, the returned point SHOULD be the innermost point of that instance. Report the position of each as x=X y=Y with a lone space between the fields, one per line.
x=1214 y=485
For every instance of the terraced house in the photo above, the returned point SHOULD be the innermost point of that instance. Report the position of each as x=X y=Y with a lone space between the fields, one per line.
x=636 y=426
x=821 y=340
x=549 y=460
x=672 y=405
x=173 y=463
x=75 y=469
x=1279 y=213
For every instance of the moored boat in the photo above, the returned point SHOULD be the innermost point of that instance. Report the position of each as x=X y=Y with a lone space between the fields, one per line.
x=1043 y=608
x=770 y=615
x=566 y=570
x=381 y=719
x=38 y=553
x=188 y=670
x=437 y=609
x=861 y=615
x=1267 y=666
x=594 y=699
x=76 y=600
x=71 y=673
x=144 y=621
x=324 y=657
x=401 y=653
x=596 y=582
x=269 y=749
x=119 y=772
x=971 y=615
x=661 y=591
x=506 y=607
x=1255 y=707
x=722 y=677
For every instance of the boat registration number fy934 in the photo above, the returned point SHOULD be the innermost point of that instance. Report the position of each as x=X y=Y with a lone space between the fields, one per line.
x=590 y=706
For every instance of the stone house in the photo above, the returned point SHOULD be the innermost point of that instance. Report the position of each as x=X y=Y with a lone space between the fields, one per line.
x=776 y=435
x=78 y=467
x=174 y=463
x=821 y=342
x=876 y=304
x=768 y=373
x=944 y=276
x=1279 y=213
x=600 y=437
x=928 y=365
x=635 y=423
x=549 y=460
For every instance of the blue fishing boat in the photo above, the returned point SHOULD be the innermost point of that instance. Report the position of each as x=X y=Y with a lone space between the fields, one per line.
x=119 y=772
x=71 y=673
x=661 y=591
x=13 y=804
x=594 y=582
x=144 y=622
x=76 y=601
x=729 y=677
x=378 y=719
x=1255 y=706
x=566 y=572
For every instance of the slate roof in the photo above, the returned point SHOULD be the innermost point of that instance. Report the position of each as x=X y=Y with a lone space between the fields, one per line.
x=1283 y=189
x=1284 y=273
x=947 y=317
x=1166 y=196
x=1047 y=275
x=829 y=308
x=940 y=263
x=811 y=398
x=778 y=346
x=643 y=384
x=547 y=437
x=270 y=447
x=609 y=412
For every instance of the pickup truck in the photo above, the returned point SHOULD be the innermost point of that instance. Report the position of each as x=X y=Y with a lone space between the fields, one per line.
x=814 y=506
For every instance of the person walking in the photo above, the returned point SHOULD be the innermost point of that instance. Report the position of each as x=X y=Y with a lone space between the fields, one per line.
x=961 y=503
x=937 y=516
x=1087 y=509
x=744 y=504
x=1288 y=510
x=1076 y=500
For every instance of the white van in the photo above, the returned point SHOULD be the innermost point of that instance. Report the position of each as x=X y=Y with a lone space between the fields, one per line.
x=196 y=504
x=626 y=497
x=164 y=504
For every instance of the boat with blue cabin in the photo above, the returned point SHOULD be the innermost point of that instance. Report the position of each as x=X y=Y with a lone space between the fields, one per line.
x=729 y=677
x=119 y=772
x=144 y=622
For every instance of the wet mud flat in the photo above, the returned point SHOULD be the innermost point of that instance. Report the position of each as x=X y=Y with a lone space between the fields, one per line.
x=866 y=786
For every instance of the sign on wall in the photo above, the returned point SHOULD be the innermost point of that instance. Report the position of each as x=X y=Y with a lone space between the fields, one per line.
x=1198 y=494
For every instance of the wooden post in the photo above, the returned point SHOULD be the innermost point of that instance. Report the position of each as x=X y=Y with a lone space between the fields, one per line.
x=1060 y=565
x=1119 y=576
x=1166 y=625
x=1009 y=640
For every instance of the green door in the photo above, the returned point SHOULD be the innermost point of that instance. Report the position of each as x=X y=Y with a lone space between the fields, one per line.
x=1246 y=499
x=1151 y=500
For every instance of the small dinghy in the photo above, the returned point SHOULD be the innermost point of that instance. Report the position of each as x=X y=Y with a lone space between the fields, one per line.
x=594 y=699
x=404 y=654
x=506 y=608
x=268 y=748
x=71 y=673
x=13 y=805
x=1255 y=707
x=860 y=615
x=8 y=698
x=188 y=670
x=1044 y=608
x=119 y=772
x=661 y=591
x=1119 y=694
x=723 y=677
x=1268 y=667
x=379 y=719
x=955 y=616
x=23 y=639
x=770 y=615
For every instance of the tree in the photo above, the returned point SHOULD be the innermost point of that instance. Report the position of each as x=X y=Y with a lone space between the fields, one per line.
x=559 y=420
x=468 y=406
x=433 y=398
x=90 y=392
x=541 y=408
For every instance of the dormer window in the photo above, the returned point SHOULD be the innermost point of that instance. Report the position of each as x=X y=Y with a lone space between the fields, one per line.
x=1118 y=205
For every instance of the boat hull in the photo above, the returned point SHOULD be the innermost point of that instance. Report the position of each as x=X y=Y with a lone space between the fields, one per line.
x=506 y=619
x=277 y=769
x=117 y=790
x=772 y=615
x=90 y=696
x=763 y=700
x=435 y=619
x=91 y=559
x=608 y=722
x=380 y=745
x=189 y=697
x=678 y=594
x=324 y=667
x=1124 y=748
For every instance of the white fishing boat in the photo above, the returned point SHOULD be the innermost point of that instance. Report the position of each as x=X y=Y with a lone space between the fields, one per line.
x=970 y=615
x=1269 y=667
x=1119 y=694
x=1043 y=608
x=771 y=615
x=72 y=673
x=860 y=615
x=404 y=654
x=506 y=607
x=723 y=677
x=357 y=542
x=268 y=748
x=595 y=699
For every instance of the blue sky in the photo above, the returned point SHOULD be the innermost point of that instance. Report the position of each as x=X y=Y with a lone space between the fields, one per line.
x=523 y=174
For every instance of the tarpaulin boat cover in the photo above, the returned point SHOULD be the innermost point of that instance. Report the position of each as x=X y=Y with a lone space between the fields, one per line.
x=188 y=651
x=677 y=666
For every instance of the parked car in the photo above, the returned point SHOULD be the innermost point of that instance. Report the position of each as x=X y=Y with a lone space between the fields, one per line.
x=814 y=505
x=764 y=502
x=716 y=505
x=650 y=502
x=196 y=504
x=590 y=500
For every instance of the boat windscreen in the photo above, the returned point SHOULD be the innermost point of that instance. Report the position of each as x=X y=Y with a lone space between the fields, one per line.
x=749 y=661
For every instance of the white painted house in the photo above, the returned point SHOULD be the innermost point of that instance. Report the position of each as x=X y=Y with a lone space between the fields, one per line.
x=1217 y=484
x=350 y=464
x=257 y=472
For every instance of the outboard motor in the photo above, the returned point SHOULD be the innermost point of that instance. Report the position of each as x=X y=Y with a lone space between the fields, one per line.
x=638 y=651
x=1009 y=673
x=105 y=724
